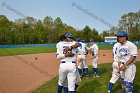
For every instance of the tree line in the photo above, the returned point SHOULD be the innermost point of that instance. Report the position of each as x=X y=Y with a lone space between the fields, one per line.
x=130 y=23
x=32 y=31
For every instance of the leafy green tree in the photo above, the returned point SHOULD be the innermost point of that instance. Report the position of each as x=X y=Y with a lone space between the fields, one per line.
x=86 y=31
x=48 y=26
x=4 y=29
x=69 y=29
x=130 y=22
x=58 y=28
x=113 y=31
x=135 y=36
x=105 y=33
x=18 y=30
x=40 y=31
x=39 y=26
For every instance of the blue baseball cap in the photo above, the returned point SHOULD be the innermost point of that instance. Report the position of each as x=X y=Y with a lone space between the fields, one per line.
x=122 y=34
x=82 y=41
x=91 y=40
x=77 y=39
x=69 y=35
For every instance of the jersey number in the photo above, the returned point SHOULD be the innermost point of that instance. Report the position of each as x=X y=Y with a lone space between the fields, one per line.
x=67 y=51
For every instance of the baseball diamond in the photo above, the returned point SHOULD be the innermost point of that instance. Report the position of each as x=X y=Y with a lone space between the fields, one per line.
x=16 y=71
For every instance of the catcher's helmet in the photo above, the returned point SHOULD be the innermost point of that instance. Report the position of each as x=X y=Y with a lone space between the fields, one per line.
x=91 y=40
x=122 y=34
x=69 y=35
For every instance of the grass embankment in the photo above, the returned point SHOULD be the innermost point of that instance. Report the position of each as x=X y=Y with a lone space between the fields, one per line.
x=93 y=85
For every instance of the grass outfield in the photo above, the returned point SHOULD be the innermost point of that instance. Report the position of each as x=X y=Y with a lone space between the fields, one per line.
x=35 y=50
x=93 y=85
x=27 y=50
x=109 y=47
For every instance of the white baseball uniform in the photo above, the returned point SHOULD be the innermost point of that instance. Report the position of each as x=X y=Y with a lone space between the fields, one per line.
x=82 y=59
x=94 y=55
x=77 y=82
x=125 y=52
x=82 y=56
x=115 y=74
x=95 y=49
x=67 y=68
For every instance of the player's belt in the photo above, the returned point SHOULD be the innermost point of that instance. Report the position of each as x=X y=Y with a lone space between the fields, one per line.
x=81 y=54
x=65 y=62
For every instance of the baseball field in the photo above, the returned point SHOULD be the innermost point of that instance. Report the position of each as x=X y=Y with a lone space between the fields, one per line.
x=91 y=84
x=35 y=70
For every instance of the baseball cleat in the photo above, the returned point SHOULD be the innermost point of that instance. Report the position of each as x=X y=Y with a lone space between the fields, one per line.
x=94 y=75
x=97 y=76
x=108 y=91
x=87 y=76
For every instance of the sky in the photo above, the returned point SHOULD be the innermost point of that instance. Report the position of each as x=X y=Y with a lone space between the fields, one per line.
x=98 y=14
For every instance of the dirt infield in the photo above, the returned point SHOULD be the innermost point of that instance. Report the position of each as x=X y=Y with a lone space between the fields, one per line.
x=23 y=73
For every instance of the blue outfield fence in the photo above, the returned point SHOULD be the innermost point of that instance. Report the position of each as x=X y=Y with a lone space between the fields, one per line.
x=36 y=45
x=111 y=43
x=26 y=45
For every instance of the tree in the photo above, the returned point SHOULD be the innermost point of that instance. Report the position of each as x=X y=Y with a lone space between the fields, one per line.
x=86 y=33
x=69 y=29
x=48 y=26
x=4 y=30
x=135 y=36
x=129 y=22
x=40 y=31
x=58 y=28
x=113 y=31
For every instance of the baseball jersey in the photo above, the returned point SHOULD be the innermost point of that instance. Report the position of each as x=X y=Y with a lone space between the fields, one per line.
x=82 y=50
x=60 y=50
x=126 y=51
x=115 y=51
x=94 y=48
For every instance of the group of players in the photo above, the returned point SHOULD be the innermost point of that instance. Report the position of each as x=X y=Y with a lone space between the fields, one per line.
x=72 y=55
x=82 y=57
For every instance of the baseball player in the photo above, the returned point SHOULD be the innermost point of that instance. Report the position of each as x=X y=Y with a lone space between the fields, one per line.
x=82 y=58
x=66 y=52
x=128 y=53
x=115 y=66
x=94 y=54
x=59 y=56
x=78 y=79
x=77 y=83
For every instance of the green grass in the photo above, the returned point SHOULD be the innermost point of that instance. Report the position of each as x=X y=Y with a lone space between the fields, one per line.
x=35 y=50
x=105 y=47
x=29 y=50
x=93 y=85
x=108 y=47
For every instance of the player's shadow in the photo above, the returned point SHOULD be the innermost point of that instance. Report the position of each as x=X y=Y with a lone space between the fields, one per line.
x=118 y=89
x=136 y=88
x=104 y=70
x=90 y=86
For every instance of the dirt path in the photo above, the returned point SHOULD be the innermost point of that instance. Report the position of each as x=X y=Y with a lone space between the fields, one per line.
x=23 y=73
